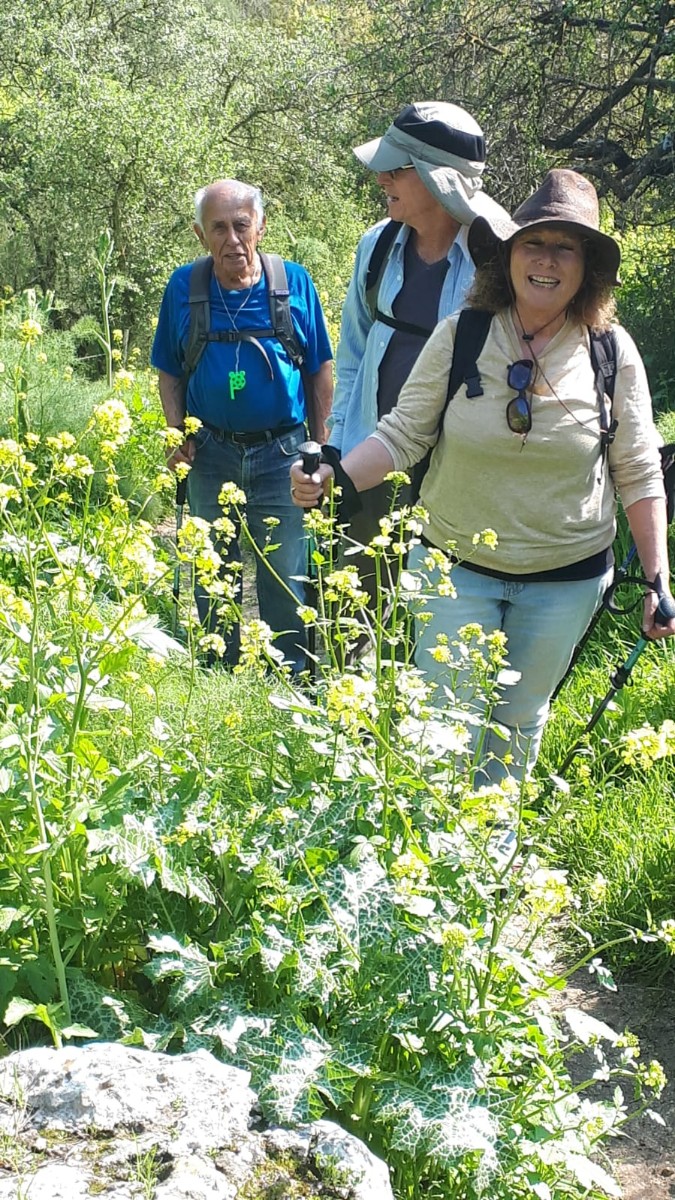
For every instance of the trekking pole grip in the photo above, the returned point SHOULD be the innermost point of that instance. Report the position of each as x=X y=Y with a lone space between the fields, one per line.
x=310 y=453
x=666 y=607
x=665 y=611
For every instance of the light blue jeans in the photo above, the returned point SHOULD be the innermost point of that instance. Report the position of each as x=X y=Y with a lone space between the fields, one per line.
x=543 y=622
x=262 y=472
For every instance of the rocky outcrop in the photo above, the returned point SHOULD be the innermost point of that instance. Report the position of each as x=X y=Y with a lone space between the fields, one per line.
x=120 y=1123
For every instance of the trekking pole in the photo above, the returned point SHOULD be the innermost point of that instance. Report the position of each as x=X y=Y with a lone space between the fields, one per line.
x=181 y=495
x=667 y=454
x=310 y=453
x=604 y=606
x=664 y=613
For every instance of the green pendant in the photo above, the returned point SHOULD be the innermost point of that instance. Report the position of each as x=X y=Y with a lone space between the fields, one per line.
x=237 y=382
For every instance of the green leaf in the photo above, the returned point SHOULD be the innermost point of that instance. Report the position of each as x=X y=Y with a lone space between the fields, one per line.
x=149 y=636
x=79 y=1031
x=18 y=1009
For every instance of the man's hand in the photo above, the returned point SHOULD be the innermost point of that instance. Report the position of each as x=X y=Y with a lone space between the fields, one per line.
x=184 y=453
x=309 y=490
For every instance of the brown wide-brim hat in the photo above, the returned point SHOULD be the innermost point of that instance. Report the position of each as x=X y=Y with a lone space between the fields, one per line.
x=564 y=198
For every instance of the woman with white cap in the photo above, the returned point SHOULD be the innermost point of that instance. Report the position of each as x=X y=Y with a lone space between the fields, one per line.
x=429 y=164
x=525 y=448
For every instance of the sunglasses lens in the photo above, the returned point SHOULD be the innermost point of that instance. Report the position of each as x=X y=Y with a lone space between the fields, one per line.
x=518 y=410
x=518 y=415
x=520 y=374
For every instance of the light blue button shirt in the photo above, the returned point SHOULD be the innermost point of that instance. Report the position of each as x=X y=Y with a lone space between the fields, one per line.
x=363 y=342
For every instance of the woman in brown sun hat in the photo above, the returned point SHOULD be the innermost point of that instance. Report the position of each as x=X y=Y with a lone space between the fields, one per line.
x=530 y=446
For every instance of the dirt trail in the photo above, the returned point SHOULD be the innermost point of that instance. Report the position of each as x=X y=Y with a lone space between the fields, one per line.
x=643 y=1161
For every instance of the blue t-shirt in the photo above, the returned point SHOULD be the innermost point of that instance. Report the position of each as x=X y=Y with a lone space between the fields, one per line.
x=262 y=402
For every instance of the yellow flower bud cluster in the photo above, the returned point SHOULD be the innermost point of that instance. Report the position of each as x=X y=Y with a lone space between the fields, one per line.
x=644 y=746
x=231 y=496
x=29 y=331
x=111 y=421
x=212 y=643
x=257 y=646
x=344 y=585
x=137 y=559
x=350 y=702
x=653 y=1077
x=14 y=606
x=666 y=932
x=547 y=892
x=13 y=461
x=195 y=546
x=124 y=380
x=8 y=493
x=436 y=561
x=488 y=538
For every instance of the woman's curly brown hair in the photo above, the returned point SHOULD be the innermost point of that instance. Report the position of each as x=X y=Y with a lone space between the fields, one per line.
x=593 y=304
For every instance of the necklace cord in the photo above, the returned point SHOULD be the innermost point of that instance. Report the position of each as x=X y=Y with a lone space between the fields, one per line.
x=232 y=319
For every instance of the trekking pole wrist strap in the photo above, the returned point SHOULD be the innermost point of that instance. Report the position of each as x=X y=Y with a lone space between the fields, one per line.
x=350 y=501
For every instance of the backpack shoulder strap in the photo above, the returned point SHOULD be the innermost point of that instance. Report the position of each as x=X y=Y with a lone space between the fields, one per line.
x=200 y=313
x=280 y=307
x=377 y=262
x=603 y=361
x=473 y=327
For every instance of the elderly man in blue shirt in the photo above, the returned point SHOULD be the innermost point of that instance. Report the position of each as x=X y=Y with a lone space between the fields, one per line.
x=429 y=164
x=251 y=398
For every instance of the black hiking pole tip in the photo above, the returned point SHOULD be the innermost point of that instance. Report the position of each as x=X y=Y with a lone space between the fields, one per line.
x=310 y=453
x=665 y=612
x=181 y=496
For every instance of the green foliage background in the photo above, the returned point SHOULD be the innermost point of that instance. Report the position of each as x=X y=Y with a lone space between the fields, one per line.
x=112 y=115
x=186 y=859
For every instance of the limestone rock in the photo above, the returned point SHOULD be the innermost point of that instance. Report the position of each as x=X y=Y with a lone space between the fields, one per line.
x=120 y=1123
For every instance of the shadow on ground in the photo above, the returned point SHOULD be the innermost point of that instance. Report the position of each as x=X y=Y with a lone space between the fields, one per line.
x=643 y=1161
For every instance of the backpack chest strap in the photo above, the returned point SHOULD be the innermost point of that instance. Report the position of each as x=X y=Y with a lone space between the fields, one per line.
x=230 y=336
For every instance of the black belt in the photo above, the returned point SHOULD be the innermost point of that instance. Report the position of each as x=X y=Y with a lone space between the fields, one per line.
x=585 y=568
x=257 y=438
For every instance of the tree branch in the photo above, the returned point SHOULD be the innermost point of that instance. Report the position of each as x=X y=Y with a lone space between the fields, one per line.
x=639 y=77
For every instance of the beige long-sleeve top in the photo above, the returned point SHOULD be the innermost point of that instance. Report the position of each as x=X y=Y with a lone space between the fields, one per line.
x=550 y=499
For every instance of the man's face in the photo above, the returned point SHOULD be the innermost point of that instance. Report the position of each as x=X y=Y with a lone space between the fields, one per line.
x=407 y=198
x=230 y=232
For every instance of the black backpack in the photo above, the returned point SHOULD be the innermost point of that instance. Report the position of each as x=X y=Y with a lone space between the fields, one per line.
x=281 y=328
x=472 y=330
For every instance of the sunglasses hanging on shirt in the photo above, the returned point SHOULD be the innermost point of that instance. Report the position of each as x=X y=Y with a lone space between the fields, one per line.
x=519 y=409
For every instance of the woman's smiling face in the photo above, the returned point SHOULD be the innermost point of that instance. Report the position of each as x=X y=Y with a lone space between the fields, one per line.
x=547 y=269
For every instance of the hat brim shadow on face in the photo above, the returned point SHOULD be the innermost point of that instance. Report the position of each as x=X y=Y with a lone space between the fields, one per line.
x=489 y=238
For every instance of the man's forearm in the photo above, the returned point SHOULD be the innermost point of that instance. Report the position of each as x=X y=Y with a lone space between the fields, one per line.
x=319 y=401
x=172 y=396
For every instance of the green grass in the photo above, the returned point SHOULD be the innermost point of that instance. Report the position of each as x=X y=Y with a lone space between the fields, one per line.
x=617 y=836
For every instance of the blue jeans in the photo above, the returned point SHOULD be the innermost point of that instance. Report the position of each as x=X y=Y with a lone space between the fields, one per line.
x=543 y=622
x=262 y=472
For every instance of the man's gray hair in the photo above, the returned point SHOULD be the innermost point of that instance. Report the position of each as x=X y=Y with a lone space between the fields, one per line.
x=244 y=193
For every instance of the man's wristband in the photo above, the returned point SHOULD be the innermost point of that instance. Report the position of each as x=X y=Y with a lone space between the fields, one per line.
x=350 y=501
